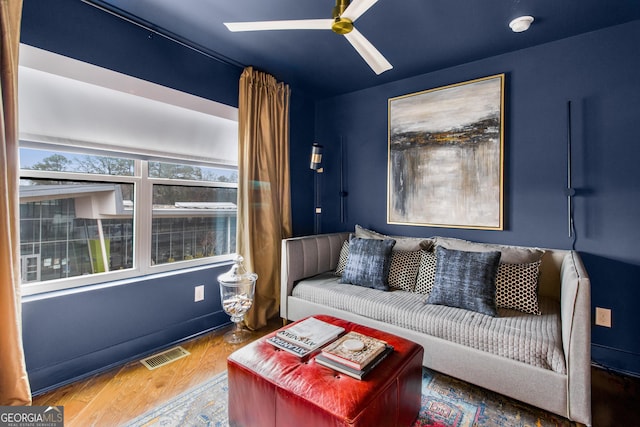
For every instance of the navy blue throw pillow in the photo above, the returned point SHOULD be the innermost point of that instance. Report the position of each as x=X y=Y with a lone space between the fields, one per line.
x=466 y=280
x=368 y=263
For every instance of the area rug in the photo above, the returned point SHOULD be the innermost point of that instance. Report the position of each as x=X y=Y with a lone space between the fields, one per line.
x=446 y=402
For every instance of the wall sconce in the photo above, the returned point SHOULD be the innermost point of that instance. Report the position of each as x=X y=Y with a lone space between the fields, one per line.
x=316 y=157
x=316 y=165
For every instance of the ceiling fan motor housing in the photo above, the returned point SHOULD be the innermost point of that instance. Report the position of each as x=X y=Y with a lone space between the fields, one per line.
x=341 y=25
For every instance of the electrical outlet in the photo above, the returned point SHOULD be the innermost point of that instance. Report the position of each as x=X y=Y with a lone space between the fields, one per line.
x=603 y=317
x=199 y=293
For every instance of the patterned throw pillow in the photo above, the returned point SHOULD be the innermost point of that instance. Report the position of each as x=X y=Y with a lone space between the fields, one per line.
x=426 y=272
x=404 y=269
x=517 y=287
x=466 y=280
x=368 y=263
x=342 y=260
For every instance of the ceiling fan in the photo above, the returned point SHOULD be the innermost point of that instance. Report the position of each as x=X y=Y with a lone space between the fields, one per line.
x=344 y=15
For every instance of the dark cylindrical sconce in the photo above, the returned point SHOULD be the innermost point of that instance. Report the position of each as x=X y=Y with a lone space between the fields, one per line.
x=316 y=162
x=316 y=157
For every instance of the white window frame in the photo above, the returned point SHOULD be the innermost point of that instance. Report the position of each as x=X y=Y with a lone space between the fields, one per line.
x=142 y=224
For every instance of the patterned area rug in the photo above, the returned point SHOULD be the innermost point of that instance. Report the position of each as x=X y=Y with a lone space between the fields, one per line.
x=446 y=402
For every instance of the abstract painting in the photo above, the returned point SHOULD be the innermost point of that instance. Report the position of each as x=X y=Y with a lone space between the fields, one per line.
x=446 y=156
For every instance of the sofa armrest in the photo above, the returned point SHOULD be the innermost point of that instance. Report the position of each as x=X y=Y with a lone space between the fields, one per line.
x=575 y=307
x=307 y=256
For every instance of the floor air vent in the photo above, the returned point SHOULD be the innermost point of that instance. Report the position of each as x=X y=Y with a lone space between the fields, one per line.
x=164 y=358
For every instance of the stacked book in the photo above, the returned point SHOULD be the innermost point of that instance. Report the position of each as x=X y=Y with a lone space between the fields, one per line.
x=354 y=354
x=306 y=336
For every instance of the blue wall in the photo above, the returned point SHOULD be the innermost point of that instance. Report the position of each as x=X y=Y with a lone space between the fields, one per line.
x=599 y=73
x=72 y=334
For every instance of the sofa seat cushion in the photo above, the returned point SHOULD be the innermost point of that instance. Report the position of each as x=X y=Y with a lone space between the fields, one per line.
x=535 y=340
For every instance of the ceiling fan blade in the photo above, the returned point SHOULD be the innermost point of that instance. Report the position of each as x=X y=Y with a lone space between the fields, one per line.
x=369 y=53
x=300 y=24
x=357 y=8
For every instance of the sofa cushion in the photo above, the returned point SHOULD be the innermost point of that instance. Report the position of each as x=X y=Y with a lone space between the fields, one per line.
x=517 y=287
x=403 y=270
x=510 y=254
x=342 y=259
x=403 y=267
x=466 y=280
x=402 y=243
x=536 y=340
x=368 y=263
x=426 y=272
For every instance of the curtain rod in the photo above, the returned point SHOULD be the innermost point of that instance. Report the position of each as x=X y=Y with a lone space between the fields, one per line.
x=132 y=19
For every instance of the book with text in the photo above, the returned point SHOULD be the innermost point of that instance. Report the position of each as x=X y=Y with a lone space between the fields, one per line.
x=288 y=346
x=355 y=373
x=310 y=333
x=370 y=348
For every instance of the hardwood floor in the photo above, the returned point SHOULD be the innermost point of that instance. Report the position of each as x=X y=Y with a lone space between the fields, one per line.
x=115 y=397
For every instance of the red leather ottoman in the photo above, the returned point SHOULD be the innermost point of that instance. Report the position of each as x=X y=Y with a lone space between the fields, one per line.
x=271 y=387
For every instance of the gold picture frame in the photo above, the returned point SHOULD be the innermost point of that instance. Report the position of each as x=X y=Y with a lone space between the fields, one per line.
x=446 y=156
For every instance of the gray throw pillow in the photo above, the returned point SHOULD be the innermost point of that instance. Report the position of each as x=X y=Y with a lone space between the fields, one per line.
x=466 y=280
x=402 y=243
x=509 y=254
x=368 y=263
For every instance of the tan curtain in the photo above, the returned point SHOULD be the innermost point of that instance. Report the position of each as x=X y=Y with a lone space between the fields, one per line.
x=14 y=384
x=264 y=205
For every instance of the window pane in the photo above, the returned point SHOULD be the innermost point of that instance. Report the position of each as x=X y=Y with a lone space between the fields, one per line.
x=73 y=228
x=34 y=159
x=192 y=222
x=190 y=172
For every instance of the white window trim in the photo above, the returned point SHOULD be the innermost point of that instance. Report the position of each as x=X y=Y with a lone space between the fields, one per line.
x=142 y=229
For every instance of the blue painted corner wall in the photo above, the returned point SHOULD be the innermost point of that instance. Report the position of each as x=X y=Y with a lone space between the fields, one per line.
x=599 y=73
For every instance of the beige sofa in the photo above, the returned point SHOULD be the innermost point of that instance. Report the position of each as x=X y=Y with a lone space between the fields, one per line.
x=309 y=286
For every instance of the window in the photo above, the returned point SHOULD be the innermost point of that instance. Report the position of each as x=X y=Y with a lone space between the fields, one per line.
x=63 y=234
x=77 y=216
x=192 y=222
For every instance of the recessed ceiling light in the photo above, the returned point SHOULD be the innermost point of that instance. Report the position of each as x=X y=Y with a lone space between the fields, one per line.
x=521 y=24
